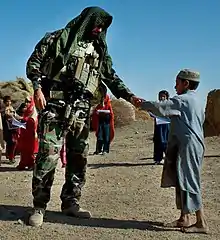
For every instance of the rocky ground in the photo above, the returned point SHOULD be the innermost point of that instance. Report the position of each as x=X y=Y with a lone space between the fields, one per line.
x=122 y=191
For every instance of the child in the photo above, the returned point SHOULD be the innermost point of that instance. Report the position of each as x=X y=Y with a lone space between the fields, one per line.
x=10 y=133
x=103 y=124
x=1 y=139
x=28 y=137
x=185 y=150
x=161 y=131
x=19 y=113
x=21 y=109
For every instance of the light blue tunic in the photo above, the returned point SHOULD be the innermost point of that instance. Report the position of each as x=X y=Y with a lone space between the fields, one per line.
x=185 y=150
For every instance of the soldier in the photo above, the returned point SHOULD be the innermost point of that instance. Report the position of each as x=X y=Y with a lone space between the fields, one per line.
x=67 y=69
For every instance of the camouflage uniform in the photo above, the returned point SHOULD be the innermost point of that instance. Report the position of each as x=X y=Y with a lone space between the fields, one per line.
x=57 y=46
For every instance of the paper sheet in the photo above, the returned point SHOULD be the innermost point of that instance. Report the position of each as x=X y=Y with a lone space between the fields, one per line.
x=160 y=120
x=103 y=111
x=18 y=124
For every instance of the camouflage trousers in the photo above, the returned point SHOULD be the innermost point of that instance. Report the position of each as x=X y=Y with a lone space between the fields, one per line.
x=47 y=158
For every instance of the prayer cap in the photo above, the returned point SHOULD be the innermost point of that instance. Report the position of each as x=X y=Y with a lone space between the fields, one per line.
x=188 y=74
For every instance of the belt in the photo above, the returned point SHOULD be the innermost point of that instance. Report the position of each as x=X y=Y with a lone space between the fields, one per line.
x=60 y=95
x=60 y=90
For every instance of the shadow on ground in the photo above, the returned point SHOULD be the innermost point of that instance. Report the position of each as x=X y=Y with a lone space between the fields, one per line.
x=15 y=213
x=130 y=164
x=8 y=169
x=122 y=164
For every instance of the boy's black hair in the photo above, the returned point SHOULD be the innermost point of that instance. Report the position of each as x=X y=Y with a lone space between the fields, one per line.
x=6 y=98
x=166 y=93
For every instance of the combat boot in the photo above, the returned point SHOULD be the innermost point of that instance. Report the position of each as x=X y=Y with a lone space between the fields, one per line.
x=37 y=218
x=76 y=211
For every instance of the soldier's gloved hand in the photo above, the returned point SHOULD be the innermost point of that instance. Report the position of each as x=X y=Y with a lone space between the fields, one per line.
x=136 y=101
x=39 y=99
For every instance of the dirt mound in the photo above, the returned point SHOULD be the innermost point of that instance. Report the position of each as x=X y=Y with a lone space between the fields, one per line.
x=142 y=115
x=212 y=114
x=124 y=112
x=18 y=90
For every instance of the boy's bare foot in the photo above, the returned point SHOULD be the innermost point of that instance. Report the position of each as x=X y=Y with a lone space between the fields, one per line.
x=178 y=224
x=196 y=228
x=183 y=221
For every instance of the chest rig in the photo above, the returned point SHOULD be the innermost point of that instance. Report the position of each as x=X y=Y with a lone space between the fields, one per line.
x=82 y=69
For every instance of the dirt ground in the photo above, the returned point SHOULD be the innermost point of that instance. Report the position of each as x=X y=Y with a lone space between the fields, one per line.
x=122 y=191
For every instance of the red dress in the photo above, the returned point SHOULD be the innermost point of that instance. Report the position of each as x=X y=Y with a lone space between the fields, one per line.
x=28 y=142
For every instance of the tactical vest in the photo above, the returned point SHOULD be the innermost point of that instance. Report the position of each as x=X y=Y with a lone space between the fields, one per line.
x=84 y=64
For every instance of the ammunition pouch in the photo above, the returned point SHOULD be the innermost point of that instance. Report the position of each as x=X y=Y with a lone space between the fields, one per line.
x=70 y=114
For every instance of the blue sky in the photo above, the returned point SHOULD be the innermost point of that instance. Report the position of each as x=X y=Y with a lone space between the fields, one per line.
x=149 y=41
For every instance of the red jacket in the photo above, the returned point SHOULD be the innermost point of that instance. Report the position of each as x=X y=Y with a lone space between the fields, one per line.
x=95 y=119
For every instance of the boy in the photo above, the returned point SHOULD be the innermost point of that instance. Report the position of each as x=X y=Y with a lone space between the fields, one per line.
x=1 y=139
x=161 y=131
x=185 y=150
x=10 y=134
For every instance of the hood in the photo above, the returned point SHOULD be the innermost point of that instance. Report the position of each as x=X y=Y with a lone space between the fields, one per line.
x=88 y=19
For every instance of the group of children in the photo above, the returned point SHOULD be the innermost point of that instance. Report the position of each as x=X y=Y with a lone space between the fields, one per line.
x=23 y=141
